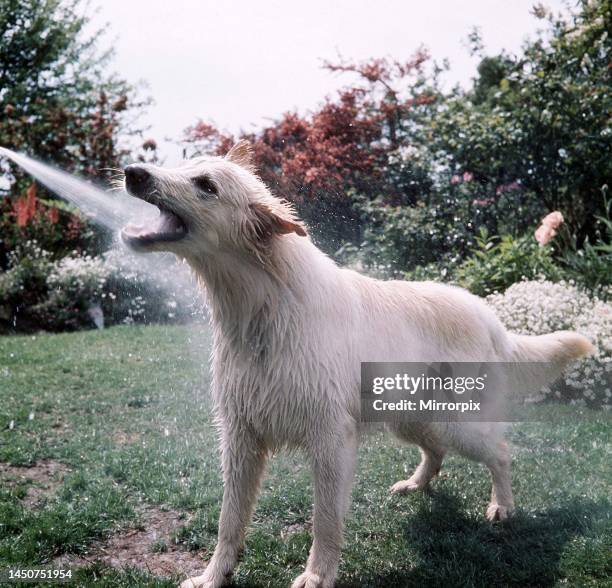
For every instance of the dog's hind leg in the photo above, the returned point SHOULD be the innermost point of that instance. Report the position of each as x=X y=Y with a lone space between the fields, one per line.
x=494 y=453
x=502 y=501
x=431 y=462
x=243 y=461
x=334 y=464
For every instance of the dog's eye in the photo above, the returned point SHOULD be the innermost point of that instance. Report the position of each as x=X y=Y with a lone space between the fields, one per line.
x=204 y=184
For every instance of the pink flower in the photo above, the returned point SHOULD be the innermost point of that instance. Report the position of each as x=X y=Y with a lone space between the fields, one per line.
x=544 y=234
x=455 y=180
x=547 y=230
x=554 y=219
x=468 y=176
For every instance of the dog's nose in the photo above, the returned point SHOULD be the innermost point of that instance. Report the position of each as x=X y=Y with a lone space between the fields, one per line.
x=137 y=179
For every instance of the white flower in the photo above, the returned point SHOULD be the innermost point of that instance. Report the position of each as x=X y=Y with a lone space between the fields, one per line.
x=539 y=307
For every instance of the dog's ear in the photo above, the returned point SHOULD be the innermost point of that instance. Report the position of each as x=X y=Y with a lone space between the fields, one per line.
x=276 y=219
x=242 y=154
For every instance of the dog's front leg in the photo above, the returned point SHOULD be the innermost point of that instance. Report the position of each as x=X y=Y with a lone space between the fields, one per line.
x=243 y=460
x=334 y=464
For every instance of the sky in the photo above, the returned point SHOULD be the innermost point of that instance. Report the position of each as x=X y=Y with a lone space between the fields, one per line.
x=240 y=63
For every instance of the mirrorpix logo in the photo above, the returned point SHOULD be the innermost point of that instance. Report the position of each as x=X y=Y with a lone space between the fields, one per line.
x=418 y=391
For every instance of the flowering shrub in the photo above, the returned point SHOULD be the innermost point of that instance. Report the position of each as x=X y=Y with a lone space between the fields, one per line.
x=75 y=284
x=83 y=276
x=80 y=290
x=540 y=307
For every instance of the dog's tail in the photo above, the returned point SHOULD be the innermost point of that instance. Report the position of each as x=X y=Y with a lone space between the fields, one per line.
x=539 y=360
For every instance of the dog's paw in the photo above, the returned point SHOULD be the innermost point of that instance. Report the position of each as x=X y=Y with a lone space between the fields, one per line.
x=498 y=512
x=310 y=580
x=406 y=486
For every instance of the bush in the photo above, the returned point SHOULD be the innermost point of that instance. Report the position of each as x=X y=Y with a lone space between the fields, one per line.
x=396 y=239
x=499 y=262
x=22 y=283
x=80 y=290
x=540 y=307
x=592 y=264
x=436 y=272
x=76 y=287
x=540 y=121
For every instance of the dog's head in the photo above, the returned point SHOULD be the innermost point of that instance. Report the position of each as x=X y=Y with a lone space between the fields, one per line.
x=208 y=205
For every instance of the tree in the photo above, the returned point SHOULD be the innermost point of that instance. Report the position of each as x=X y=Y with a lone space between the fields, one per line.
x=358 y=142
x=535 y=130
x=391 y=150
x=57 y=102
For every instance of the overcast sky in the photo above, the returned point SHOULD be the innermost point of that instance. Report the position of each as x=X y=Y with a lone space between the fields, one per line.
x=238 y=62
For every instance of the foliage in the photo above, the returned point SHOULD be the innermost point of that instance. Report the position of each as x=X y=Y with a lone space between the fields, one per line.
x=391 y=173
x=544 y=127
x=355 y=142
x=40 y=293
x=58 y=103
x=592 y=263
x=47 y=221
x=436 y=272
x=539 y=307
x=23 y=282
x=401 y=238
x=531 y=136
x=498 y=262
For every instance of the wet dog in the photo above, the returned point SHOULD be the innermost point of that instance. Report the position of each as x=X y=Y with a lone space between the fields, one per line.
x=290 y=331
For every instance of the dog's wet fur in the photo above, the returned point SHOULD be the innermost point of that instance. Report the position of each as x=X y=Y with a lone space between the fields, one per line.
x=291 y=329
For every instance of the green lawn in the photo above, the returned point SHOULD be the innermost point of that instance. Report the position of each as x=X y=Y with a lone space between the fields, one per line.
x=127 y=409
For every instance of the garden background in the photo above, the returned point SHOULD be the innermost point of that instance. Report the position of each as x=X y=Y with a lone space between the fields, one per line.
x=502 y=188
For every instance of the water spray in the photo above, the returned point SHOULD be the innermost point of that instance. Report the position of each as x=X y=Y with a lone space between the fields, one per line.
x=111 y=210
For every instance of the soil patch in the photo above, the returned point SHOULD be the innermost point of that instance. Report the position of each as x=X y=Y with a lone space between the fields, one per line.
x=148 y=547
x=42 y=479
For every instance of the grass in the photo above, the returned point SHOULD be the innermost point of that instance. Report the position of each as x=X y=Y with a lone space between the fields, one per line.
x=78 y=397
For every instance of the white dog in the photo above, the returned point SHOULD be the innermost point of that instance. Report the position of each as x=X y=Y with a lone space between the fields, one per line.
x=291 y=329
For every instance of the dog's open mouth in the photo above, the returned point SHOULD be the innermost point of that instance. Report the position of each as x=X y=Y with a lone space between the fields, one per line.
x=165 y=228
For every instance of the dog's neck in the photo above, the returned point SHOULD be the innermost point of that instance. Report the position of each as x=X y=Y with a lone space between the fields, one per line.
x=246 y=295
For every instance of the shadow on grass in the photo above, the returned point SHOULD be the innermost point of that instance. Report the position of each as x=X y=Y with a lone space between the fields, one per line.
x=458 y=550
